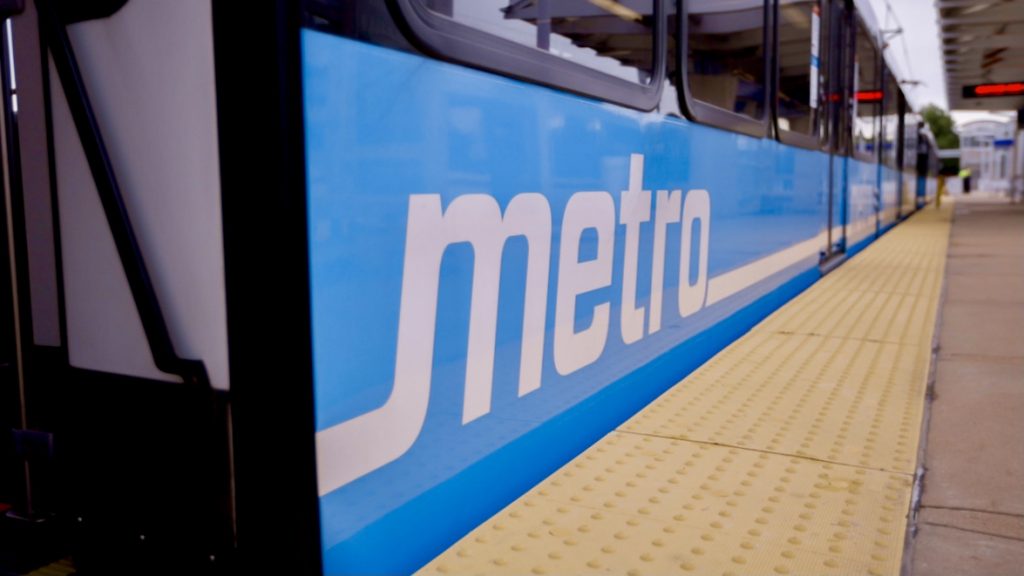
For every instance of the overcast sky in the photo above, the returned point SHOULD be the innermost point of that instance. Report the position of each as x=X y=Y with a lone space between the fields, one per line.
x=916 y=54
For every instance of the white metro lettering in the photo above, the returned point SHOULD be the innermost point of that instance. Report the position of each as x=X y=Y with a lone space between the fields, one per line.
x=696 y=207
x=574 y=350
x=356 y=447
x=635 y=209
x=666 y=211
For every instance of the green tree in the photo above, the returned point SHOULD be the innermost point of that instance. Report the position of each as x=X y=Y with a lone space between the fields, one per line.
x=941 y=125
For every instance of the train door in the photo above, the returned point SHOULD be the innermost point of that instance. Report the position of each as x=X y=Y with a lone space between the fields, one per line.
x=837 y=130
x=862 y=135
x=922 y=155
x=889 y=143
x=112 y=227
x=902 y=210
x=807 y=81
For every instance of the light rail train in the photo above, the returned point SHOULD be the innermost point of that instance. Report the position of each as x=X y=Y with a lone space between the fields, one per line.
x=319 y=286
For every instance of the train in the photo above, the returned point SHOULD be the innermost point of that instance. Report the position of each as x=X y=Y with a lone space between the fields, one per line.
x=318 y=286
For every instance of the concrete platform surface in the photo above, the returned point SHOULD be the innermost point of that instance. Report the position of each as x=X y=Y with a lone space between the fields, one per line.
x=945 y=551
x=972 y=508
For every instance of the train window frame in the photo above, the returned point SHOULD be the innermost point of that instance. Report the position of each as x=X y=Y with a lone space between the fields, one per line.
x=707 y=113
x=454 y=41
x=911 y=126
x=859 y=19
x=819 y=140
x=838 y=139
x=889 y=80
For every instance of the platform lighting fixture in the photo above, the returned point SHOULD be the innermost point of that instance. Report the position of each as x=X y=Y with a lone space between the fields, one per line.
x=994 y=90
x=869 y=96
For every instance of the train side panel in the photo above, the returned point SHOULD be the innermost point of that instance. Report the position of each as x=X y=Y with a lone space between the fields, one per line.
x=863 y=203
x=486 y=258
x=890 y=199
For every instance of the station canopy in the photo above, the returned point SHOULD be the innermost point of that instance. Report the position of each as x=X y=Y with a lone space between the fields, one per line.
x=983 y=45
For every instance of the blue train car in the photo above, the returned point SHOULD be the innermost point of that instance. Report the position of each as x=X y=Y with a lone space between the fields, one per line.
x=560 y=253
x=460 y=241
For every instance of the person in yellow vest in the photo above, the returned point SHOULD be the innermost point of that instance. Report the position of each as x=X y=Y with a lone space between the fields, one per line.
x=965 y=175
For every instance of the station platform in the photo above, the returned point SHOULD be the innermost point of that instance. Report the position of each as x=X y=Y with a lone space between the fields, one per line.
x=971 y=514
x=793 y=451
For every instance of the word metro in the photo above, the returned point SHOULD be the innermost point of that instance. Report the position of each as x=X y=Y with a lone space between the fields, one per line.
x=360 y=445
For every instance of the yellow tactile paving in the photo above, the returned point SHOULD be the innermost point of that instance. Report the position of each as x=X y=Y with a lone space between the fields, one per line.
x=888 y=293
x=790 y=452
x=877 y=316
x=637 y=504
x=849 y=401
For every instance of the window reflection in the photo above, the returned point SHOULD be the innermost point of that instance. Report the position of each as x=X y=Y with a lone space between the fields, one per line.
x=802 y=42
x=890 y=121
x=867 y=96
x=834 y=106
x=911 y=125
x=725 y=54
x=613 y=36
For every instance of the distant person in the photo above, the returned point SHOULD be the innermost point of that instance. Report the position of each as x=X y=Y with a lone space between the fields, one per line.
x=965 y=175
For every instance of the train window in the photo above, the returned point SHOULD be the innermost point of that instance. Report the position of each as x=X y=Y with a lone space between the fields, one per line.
x=867 y=96
x=801 y=49
x=890 y=120
x=366 y=20
x=615 y=37
x=840 y=63
x=725 y=56
x=911 y=128
x=724 y=76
